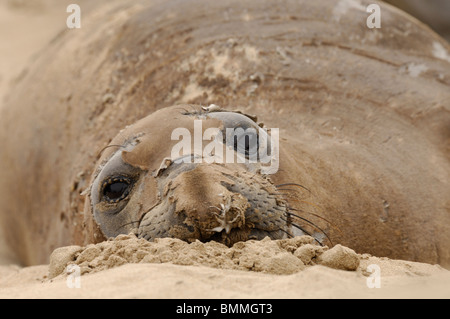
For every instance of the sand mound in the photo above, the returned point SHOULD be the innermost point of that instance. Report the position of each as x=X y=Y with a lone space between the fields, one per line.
x=127 y=267
x=279 y=257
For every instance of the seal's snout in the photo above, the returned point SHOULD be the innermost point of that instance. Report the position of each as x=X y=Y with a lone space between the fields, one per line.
x=213 y=202
x=200 y=196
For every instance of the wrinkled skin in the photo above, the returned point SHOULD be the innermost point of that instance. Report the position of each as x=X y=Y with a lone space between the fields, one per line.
x=363 y=117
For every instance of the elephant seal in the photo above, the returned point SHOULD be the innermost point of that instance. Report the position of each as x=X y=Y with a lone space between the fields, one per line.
x=362 y=114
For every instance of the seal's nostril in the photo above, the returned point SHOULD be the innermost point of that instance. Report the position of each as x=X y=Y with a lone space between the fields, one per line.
x=231 y=214
x=228 y=218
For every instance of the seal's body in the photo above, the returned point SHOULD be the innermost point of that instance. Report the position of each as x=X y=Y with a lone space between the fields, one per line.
x=363 y=118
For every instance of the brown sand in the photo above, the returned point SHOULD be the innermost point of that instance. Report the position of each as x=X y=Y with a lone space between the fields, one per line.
x=168 y=268
x=127 y=267
x=280 y=257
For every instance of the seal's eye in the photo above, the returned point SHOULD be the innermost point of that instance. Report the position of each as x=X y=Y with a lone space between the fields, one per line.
x=244 y=135
x=246 y=142
x=116 y=189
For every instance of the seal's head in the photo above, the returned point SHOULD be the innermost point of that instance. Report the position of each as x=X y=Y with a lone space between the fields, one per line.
x=191 y=173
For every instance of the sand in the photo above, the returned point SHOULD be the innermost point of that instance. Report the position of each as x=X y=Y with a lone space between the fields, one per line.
x=168 y=268
x=127 y=267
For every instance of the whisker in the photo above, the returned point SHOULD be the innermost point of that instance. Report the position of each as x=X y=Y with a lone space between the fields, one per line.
x=186 y=112
x=309 y=203
x=296 y=225
x=284 y=194
x=311 y=223
x=293 y=184
x=318 y=216
x=287 y=189
x=136 y=221
x=284 y=231
x=303 y=230
x=306 y=202
x=290 y=195
x=103 y=149
x=182 y=108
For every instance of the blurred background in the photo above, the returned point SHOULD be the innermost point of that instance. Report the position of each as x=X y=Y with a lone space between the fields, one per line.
x=28 y=25
x=434 y=13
